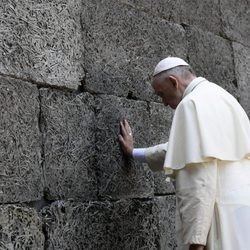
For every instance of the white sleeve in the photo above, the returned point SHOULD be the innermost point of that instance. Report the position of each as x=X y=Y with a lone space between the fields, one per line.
x=139 y=154
x=155 y=156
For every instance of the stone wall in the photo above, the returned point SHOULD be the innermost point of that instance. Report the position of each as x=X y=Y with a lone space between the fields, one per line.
x=70 y=70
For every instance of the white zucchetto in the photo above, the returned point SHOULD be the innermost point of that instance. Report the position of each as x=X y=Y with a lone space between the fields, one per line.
x=169 y=63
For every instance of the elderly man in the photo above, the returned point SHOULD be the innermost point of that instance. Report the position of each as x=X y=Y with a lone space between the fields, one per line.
x=207 y=153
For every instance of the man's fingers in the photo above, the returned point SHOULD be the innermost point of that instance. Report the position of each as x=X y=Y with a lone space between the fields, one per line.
x=125 y=138
x=123 y=130
x=127 y=127
x=126 y=148
x=121 y=140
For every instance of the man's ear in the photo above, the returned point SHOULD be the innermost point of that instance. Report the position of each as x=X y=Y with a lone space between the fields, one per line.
x=174 y=81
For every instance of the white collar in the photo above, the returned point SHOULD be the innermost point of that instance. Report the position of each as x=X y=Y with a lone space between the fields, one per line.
x=192 y=85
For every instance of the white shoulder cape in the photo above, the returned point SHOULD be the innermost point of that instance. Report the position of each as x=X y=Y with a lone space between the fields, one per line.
x=208 y=123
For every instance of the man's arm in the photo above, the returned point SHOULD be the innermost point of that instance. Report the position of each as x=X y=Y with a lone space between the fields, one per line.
x=154 y=156
x=139 y=154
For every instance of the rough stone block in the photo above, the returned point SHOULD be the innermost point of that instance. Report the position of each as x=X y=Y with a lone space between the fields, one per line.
x=161 y=120
x=195 y=13
x=212 y=57
x=163 y=184
x=165 y=209
x=189 y=12
x=160 y=123
x=242 y=70
x=123 y=45
x=124 y=224
x=68 y=125
x=41 y=41
x=20 y=228
x=166 y=9
x=236 y=19
x=120 y=177
x=20 y=170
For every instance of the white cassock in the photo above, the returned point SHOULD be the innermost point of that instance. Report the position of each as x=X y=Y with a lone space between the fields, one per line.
x=208 y=154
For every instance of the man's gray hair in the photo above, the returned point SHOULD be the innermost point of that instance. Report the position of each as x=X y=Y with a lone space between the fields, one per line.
x=182 y=71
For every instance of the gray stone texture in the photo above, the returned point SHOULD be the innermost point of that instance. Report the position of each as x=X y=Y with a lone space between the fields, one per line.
x=20 y=228
x=118 y=176
x=185 y=12
x=122 y=45
x=42 y=41
x=20 y=170
x=236 y=19
x=165 y=9
x=212 y=57
x=242 y=69
x=160 y=122
x=203 y=14
x=165 y=209
x=124 y=224
x=68 y=125
x=59 y=144
x=163 y=184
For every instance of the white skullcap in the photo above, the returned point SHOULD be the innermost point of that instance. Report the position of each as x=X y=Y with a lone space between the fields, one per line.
x=169 y=63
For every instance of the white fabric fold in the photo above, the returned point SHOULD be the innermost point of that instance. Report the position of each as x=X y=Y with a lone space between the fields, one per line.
x=213 y=205
x=195 y=136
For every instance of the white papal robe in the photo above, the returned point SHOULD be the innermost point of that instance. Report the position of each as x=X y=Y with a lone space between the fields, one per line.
x=208 y=154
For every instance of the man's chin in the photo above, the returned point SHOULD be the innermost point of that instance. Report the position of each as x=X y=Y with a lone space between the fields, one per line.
x=173 y=106
x=170 y=105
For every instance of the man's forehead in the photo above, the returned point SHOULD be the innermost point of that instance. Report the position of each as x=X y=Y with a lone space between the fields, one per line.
x=157 y=78
x=156 y=82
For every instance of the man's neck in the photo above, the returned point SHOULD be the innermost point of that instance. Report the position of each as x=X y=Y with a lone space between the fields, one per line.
x=186 y=82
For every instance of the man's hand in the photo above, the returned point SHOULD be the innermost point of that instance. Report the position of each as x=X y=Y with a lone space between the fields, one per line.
x=126 y=138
